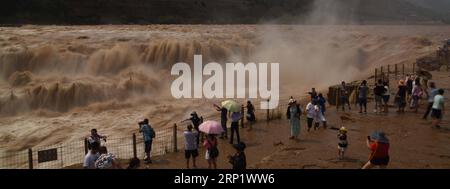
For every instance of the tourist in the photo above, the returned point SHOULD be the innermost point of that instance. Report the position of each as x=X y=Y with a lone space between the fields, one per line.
x=409 y=85
x=148 y=134
x=310 y=113
x=250 y=114
x=293 y=114
x=238 y=160
x=235 y=117
x=343 y=143
x=416 y=95
x=344 y=96
x=196 y=121
x=378 y=92
x=223 y=120
x=431 y=93
x=318 y=116
x=95 y=137
x=438 y=108
x=400 y=97
x=386 y=96
x=91 y=156
x=322 y=103
x=379 y=147
x=190 y=146
x=313 y=93
x=212 y=152
x=362 y=96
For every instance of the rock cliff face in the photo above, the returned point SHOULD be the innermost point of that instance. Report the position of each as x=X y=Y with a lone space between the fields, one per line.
x=217 y=11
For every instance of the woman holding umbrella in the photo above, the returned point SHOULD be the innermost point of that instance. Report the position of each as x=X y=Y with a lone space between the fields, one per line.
x=212 y=128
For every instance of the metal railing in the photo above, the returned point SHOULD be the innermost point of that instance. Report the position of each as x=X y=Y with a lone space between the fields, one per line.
x=71 y=154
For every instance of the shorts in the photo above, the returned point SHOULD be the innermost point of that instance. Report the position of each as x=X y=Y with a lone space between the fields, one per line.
x=189 y=153
x=386 y=98
x=344 y=100
x=378 y=99
x=342 y=147
x=148 y=146
x=400 y=102
x=380 y=161
x=436 y=114
x=310 y=122
x=362 y=101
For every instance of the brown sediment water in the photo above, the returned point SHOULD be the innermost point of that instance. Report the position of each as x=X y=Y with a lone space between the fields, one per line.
x=65 y=80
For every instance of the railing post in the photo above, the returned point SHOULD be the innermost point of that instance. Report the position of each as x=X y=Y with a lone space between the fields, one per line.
x=376 y=70
x=30 y=158
x=389 y=70
x=85 y=146
x=242 y=113
x=134 y=146
x=382 y=73
x=395 y=71
x=403 y=69
x=175 y=142
x=267 y=111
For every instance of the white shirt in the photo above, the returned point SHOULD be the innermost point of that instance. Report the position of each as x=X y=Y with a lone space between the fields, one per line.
x=438 y=103
x=310 y=110
x=89 y=160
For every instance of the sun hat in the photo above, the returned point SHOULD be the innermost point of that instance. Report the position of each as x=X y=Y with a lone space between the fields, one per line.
x=379 y=136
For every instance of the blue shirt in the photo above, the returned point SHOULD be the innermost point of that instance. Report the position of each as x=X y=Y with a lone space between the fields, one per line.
x=190 y=140
x=147 y=132
x=432 y=94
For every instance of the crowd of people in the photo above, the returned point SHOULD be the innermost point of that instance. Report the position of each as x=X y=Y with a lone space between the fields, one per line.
x=410 y=91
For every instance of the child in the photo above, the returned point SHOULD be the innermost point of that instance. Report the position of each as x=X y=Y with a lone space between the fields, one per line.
x=342 y=145
x=318 y=116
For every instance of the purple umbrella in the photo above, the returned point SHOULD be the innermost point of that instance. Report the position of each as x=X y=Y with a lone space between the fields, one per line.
x=211 y=127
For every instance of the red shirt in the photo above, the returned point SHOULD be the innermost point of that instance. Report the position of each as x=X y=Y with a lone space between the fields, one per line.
x=209 y=144
x=379 y=150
